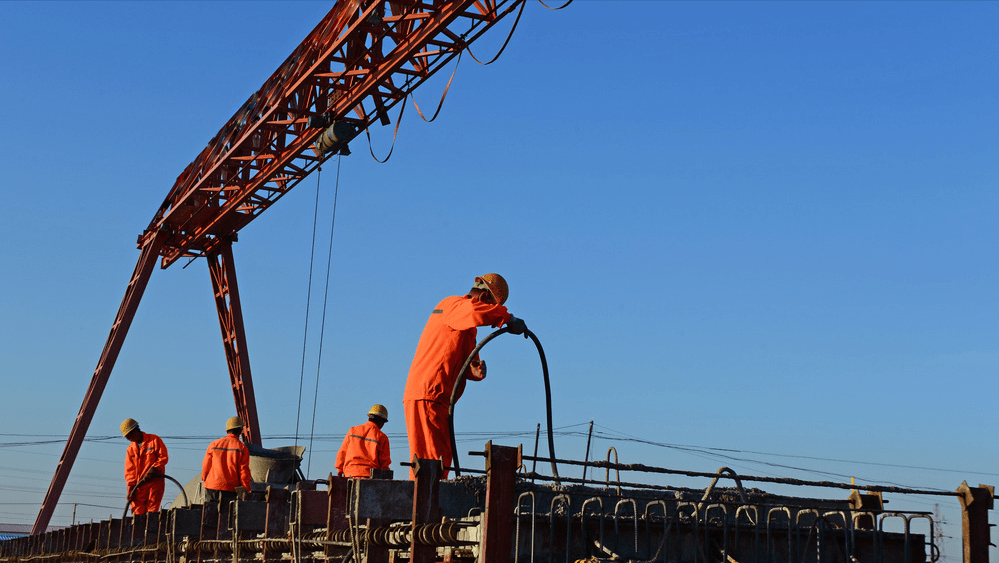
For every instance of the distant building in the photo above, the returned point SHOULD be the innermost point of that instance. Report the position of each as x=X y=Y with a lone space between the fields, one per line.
x=11 y=531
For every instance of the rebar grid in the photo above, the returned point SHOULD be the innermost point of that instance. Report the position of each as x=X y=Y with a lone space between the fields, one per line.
x=570 y=527
x=369 y=522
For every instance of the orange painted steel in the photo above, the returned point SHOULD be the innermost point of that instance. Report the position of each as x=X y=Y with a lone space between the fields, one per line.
x=358 y=63
x=223 y=273
x=126 y=312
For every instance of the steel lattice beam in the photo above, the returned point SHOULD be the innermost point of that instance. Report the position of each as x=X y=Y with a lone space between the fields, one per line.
x=364 y=58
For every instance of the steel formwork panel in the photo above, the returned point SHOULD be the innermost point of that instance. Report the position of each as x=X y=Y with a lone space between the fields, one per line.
x=500 y=517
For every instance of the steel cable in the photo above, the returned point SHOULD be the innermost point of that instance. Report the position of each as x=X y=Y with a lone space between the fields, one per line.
x=322 y=326
x=308 y=300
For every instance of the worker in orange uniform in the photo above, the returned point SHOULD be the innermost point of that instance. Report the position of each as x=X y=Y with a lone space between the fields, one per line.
x=145 y=465
x=447 y=340
x=226 y=468
x=365 y=447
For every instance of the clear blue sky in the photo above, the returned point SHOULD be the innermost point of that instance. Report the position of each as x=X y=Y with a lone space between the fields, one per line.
x=762 y=227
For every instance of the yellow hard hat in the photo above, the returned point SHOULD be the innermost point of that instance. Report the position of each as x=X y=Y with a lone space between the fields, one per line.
x=379 y=410
x=127 y=426
x=233 y=423
x=495 y=284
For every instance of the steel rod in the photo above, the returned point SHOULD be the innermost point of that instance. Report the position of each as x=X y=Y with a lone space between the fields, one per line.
x=782 y=480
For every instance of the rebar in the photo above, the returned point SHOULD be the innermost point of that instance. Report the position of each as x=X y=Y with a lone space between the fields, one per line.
x=781 y=480
x=551 y=523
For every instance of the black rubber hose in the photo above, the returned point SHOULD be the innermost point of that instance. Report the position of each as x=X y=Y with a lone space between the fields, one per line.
x=548 y=399
x=128 y=500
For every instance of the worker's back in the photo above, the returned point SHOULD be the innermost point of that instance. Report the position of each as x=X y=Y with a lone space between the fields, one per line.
x=444 y=345
x=226 y=465
x=365 y=447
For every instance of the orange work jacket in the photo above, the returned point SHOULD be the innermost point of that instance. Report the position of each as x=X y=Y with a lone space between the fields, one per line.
x=226 y=465
x=141 y=456
x=365 y=447
x=447 y=340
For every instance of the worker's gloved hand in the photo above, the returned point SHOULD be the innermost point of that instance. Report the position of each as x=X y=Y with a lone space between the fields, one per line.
x=478 y=370
x=516 y=326
x=241 y=492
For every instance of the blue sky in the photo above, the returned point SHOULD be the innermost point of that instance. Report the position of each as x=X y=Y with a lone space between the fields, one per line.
x=763 y=227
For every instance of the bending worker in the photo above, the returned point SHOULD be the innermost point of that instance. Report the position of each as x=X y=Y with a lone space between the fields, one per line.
x=145 y=465
x=365 y=447
x=226 y=468
x=447 y=340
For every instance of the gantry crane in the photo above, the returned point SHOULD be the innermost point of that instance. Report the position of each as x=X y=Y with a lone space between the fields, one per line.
x=363 y=58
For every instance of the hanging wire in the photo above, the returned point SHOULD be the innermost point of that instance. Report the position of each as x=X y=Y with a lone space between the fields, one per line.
x=550 y=8
x=322 y=326
x=308 y=299
x=505 y=43
x=395 y=135
x=444 y=95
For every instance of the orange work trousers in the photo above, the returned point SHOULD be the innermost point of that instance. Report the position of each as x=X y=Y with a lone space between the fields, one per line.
x=147 y=497
x=429 y=435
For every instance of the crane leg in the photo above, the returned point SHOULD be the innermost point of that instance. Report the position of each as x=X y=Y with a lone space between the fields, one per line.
x=151 y=244
x=223 y=272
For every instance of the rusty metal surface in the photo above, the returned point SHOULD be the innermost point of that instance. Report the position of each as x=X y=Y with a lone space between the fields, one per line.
x=641 y=468
x=426 y=505
x=375 y=498
x=976 y=502
x=506 y=517
x=497 y=538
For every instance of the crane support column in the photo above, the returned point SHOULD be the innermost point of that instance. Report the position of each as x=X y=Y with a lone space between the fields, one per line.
x=223 y=272
x=151 y=243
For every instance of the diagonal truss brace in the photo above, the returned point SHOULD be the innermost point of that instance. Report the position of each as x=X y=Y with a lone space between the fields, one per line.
x=151 y=246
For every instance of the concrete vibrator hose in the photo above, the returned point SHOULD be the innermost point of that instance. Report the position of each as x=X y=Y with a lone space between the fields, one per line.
x=548 y=398
x=131 y=492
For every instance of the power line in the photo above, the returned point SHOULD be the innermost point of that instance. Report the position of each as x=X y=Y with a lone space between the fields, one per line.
x=816 y=458
x=604 y=433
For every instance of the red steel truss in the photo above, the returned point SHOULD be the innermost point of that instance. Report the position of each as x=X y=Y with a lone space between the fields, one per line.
x=223 y=271
x=359 y=62
x=362 y=59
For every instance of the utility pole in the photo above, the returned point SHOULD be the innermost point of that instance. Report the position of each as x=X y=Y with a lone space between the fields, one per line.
x=938 y=536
